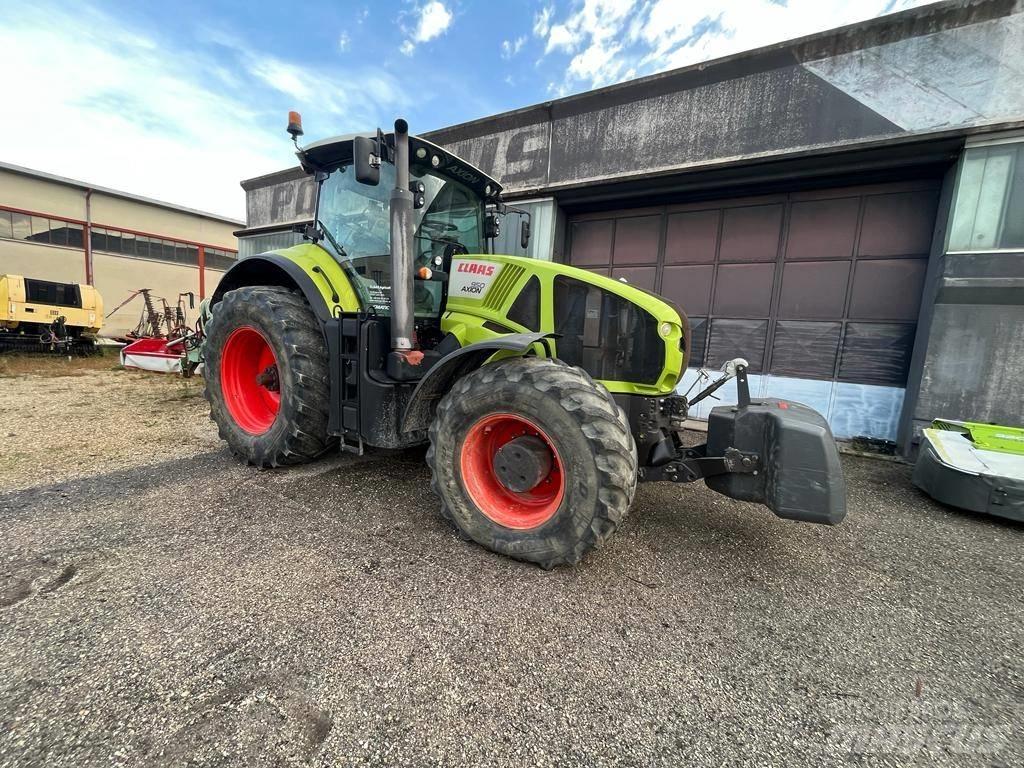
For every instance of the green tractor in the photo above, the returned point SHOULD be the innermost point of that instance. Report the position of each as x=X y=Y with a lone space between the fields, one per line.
x=545 y=392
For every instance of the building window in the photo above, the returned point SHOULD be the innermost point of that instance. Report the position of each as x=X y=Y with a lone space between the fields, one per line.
x=70 y=234
x=219 y=259
x=144 y=247
x=40 y=229
x=22 y=226
x=989 y=210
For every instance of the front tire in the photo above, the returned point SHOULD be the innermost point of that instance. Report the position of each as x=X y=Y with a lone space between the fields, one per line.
x=532 y=459
x=266 y=376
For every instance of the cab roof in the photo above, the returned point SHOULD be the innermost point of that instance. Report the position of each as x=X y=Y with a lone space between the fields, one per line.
x=328 y=154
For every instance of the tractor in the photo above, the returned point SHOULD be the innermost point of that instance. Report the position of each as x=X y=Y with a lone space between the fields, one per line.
x=545 y=392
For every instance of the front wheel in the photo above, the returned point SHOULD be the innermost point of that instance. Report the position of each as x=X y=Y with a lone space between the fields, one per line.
x=267 y=376
x=532 y=459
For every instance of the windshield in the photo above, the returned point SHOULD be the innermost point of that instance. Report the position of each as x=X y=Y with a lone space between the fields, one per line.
x=356 y=216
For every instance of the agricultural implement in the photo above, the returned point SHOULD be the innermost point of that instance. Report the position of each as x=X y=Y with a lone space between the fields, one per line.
x=44 y=316
x=163 y=340
x=545 y=392
x=973 y=466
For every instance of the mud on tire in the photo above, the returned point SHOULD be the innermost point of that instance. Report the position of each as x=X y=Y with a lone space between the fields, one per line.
x=589 y=437
x=287 y=323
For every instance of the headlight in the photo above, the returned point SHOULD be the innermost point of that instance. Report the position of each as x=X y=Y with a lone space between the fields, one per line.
x=665 y=329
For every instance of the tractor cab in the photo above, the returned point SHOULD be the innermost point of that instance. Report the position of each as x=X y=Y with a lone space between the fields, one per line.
x=455 y=210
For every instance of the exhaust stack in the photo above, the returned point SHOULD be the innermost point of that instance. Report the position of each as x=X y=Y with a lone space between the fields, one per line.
x=402 y=286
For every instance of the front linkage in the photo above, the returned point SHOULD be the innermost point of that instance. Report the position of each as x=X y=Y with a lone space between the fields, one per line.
x=771 y=451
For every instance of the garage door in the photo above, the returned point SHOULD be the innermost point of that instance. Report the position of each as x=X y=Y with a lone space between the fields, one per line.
x=819 y=290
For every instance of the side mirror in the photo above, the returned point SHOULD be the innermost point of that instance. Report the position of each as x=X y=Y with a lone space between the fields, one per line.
x=524 y=233
x=366 y=158
x=492 y=227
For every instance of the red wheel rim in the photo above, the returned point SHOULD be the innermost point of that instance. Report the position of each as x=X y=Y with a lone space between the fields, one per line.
x=248 y=371
x=522 y=511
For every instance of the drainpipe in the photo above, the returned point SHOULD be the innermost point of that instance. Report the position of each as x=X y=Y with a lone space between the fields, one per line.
x=202 y=272
x=87 y=234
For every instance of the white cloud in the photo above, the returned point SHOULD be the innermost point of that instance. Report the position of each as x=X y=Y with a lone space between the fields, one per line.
x=593 y=33
x=286 y=78
x=611 y=40
x=561 y=37
x=432 y=19
x=127 y=110
x=510 y=48
x=344 y=42
x=542 y=21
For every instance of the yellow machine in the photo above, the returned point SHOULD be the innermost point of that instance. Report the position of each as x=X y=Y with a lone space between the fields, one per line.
x=40 y=315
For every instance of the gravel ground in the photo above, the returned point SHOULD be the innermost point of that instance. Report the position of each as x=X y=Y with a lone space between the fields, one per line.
x=59 y=427
x=163 y=605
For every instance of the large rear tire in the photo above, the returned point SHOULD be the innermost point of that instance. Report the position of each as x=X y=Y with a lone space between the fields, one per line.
x=267 y=376
x=532 y=459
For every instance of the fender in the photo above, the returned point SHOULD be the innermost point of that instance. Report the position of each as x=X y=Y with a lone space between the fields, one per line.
x=273 y=269
x=444 y=373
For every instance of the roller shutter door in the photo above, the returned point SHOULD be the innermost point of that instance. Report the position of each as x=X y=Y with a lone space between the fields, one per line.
x=820 y=291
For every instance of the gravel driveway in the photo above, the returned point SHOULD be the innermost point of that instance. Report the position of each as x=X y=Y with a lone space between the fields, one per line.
x=173 y=607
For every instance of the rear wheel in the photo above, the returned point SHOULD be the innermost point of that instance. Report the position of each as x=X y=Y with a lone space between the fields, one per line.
x=533 y=459
x=267 y=377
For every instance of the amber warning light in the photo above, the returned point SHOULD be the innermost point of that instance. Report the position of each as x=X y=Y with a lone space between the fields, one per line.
x=295 y=124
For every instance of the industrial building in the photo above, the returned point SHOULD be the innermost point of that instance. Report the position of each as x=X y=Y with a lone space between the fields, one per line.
x=845 y=210
x=66 y=231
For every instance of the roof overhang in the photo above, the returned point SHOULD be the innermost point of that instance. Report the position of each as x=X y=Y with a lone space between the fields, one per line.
x=328 y=154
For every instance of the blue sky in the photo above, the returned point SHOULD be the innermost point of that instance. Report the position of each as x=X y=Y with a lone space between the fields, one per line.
x=181 y=100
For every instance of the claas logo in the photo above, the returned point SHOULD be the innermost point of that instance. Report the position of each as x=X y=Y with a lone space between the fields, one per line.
x=475 y=268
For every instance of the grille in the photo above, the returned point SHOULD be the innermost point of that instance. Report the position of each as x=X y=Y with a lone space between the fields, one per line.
x=503 y=286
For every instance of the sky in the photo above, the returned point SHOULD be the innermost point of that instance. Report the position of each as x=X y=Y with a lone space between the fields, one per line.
x=180 y=101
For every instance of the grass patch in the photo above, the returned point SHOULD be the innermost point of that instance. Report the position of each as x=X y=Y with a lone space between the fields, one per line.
x=52 y=365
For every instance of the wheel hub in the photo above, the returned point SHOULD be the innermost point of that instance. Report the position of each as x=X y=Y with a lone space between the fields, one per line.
x=249 y=380
x=522 y=463
x=512 y=471
x=269 y=379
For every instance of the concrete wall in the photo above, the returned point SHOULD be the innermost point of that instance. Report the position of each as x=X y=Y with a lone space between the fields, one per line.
x=115 y=212
x=47 y=262
x=32 y=194
x=973 y=354
x=969 y=351
x=285 y=197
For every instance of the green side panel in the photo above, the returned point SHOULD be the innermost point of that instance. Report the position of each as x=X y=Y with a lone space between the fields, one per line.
x=991 y=437
x=478 y=298
x=309 y=255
